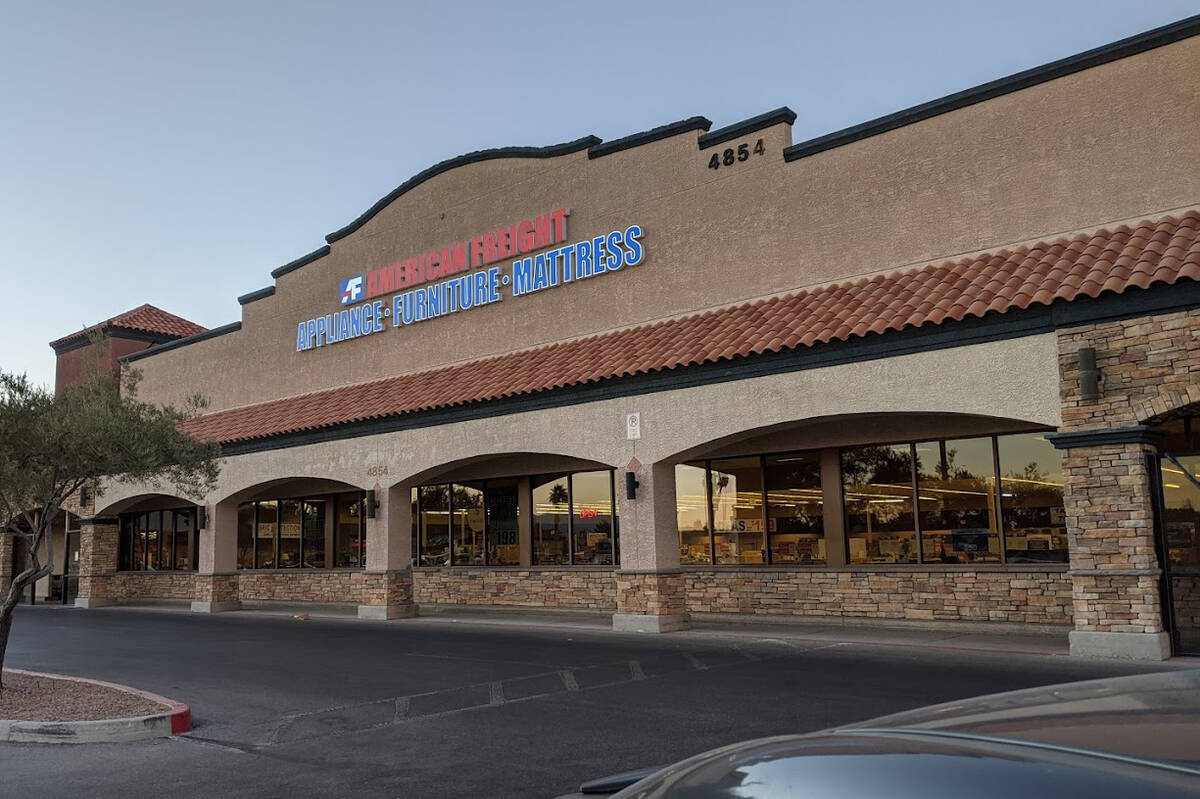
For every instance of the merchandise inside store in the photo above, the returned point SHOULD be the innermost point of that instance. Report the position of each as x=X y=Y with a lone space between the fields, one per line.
x=310 y=532
x=157 y=540
x=988 y=499
x=540 y=520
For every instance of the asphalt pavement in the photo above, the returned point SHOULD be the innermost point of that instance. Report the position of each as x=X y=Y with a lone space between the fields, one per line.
x=435 y=707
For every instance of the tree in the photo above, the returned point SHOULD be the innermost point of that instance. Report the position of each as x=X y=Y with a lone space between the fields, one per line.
x=54 y=444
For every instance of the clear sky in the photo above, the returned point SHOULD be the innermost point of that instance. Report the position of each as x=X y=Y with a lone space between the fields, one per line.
x=175 y=153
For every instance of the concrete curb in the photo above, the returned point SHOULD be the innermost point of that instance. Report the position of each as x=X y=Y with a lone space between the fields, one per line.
x=176 y=718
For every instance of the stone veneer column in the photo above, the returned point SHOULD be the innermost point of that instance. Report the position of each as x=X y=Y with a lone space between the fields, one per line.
x=649 y=582
x=97 y=562
x=216 y=583
x=1109 y=501
x=387 y=581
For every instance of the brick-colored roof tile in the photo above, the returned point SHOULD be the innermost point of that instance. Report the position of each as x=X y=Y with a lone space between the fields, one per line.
x=144 y=318
x=1161 y=251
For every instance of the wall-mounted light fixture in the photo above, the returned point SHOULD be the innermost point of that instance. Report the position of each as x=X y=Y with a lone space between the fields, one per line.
x=631 y=485
x=1089 y=374
x=372 y=504
x=201 y=517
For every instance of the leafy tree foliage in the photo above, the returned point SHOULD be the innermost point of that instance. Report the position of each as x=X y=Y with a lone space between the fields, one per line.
x=52 y=445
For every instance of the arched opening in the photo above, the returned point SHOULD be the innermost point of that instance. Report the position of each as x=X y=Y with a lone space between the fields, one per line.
x=515 y=509
x=866 y=490
x=155 y=533
x=298 y=523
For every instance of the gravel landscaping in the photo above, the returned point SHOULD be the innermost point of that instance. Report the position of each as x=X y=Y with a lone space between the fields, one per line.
x=29 y=698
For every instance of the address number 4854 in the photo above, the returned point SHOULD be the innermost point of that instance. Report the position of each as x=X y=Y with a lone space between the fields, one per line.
x=730 y=155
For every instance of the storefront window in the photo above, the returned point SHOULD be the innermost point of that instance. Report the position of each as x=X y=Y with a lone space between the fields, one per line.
x=551 y=520
x=795 y=524
x=266 y=534
x=503 y=527
x=691 y=513
x=349 y=532
x=314 y=534
x=156 y=540
x=125 y=544
x=957 y=501
x=246 y=535
x=139 y=542
x=184 y=539
x=468 y=526
x=153 y=540
x=877 y=486
x=1031 y=498
x=592 y=517
x=1181 y=499
x=290 y=532
x=736 y=488
x=435 y=525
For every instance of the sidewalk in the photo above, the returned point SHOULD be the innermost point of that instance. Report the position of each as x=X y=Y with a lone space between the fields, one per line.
x=895 y=634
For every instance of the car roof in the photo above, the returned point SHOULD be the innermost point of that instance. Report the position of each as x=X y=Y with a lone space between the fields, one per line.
x=1151 y=717
x=906 y=765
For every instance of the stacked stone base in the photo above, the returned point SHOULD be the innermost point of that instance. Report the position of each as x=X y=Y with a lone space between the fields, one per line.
x=580 y=588
x=650 y=602
x=216 y=593
x=1012 y=595
x=643 y=601
x=387 y=595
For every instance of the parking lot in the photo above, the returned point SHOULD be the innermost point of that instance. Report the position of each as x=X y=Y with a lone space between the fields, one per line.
x=436 y=708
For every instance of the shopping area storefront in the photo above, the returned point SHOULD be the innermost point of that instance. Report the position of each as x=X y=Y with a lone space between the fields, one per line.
x=908 y=373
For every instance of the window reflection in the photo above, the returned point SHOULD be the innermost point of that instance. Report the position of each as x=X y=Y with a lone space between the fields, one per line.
x=435 y=525
x=289 y=533
x=592 y=517
x=572 y=520
x=266 y=534
x=737 y=507
x=795 y=507
x=878 y=497
x=503 y=522
x=1181 y=500
x=313 y=555
x=957 y=501
x=467 y=516
x=157 y=540
x=349 y=531
x=245 y=523
x=691 y=513
x=1031 y=499
x=551 y=520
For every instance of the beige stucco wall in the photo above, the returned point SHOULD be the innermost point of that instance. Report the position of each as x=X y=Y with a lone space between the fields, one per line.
x=981 y=388
x=1114 y=142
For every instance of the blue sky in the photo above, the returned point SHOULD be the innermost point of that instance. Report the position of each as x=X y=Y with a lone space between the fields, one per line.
x=176 y=153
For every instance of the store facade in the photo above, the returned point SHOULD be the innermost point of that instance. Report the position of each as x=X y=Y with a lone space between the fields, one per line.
x=933 y=369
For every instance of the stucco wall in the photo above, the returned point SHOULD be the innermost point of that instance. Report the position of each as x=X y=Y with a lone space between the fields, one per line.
x=981 y=388
x=1111 y=143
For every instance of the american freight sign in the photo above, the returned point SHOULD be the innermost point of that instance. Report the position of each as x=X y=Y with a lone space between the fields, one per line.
x=461 y=276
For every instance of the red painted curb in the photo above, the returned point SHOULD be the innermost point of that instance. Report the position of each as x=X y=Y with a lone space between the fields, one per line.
x=179 y=713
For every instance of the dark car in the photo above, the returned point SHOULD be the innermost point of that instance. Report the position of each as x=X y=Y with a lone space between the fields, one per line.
x=1125 y=737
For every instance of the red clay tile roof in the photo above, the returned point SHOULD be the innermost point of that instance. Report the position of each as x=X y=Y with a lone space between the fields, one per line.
x=145 y=319
x=1160 y=251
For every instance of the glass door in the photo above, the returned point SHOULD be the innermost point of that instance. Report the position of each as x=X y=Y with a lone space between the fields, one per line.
x=71 y=568
x=1180 y=476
